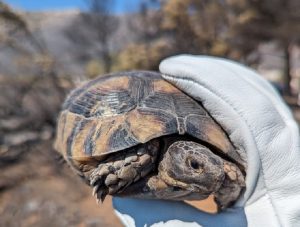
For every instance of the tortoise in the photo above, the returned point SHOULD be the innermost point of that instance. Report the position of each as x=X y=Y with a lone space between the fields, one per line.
x=135 y=134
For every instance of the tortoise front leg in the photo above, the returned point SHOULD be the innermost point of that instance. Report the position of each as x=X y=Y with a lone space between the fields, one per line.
x=122 y=169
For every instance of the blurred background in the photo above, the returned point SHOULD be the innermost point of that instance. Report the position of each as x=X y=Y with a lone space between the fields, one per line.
x=49 y=47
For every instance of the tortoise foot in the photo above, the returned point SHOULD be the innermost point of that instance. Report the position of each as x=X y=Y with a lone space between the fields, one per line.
x=118 y=172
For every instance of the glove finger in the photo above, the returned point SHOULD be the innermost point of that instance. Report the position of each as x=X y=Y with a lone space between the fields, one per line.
x=140 y=212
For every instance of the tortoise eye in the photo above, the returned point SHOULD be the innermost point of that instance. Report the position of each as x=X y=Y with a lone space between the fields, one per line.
x=194 y=164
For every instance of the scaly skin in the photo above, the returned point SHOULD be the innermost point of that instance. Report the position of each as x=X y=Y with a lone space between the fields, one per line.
x=123 y=169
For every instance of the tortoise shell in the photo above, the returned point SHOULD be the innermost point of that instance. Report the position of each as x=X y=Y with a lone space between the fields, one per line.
x=118 y=111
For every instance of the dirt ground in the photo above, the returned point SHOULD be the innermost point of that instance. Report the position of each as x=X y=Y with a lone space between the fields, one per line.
x=39 y=190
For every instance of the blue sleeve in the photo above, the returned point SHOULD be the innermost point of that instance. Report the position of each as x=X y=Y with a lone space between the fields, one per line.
x=147 y=212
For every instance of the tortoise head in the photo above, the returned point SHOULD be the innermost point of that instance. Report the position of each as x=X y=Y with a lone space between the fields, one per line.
x=192 y=167
x=191 y=171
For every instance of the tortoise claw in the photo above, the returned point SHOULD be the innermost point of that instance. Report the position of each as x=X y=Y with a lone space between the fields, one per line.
x=95 y=180
x=95 y=190
x=99 y=193
x=101 y=196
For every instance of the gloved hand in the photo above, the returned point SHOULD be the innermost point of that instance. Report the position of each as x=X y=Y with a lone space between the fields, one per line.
x=260 y=126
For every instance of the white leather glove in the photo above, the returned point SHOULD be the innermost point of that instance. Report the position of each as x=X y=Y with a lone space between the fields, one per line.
x=261 y=127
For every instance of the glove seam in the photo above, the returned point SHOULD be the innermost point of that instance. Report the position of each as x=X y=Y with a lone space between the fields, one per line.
x=247 y=124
